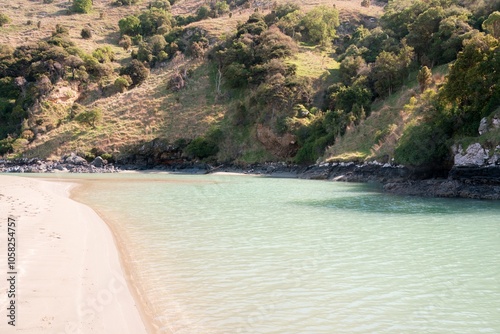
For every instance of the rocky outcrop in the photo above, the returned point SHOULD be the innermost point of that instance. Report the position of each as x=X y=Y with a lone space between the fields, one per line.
x=98 y=162
x=487 y=125
x=159 y=154
x=351 y=172
x=71 y=163
x=475 y=155
x=74 y=159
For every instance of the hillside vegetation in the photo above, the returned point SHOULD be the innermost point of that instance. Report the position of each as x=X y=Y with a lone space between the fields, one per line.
x=248 y=81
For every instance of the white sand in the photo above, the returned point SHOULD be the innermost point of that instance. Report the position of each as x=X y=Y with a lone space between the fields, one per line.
x=69 y=275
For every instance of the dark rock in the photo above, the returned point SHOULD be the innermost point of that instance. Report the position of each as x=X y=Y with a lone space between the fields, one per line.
x=98 y=162
x=74 y=160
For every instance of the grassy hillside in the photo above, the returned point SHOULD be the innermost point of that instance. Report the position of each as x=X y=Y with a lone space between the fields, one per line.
x=150 y=110
x=256 y=81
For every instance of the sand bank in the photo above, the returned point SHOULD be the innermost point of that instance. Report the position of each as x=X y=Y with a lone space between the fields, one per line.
x=69 y=278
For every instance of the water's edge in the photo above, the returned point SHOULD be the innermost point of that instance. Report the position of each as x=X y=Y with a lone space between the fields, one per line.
x=134 y=286
x=459 y=182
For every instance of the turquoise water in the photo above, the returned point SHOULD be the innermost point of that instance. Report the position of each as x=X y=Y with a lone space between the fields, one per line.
x=240 y=254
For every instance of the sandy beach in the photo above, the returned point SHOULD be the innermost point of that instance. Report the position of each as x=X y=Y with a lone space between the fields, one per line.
x=68 y=274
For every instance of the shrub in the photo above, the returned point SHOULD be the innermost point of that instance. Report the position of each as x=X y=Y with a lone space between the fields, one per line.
x=104 y=54
x=422 y=145
x=4 y=19
x=125 y=2
x=221 y=8
x=90 y=117
x=122 y=83
x=202 y=13
x=130 y=25
x=61 y=30
x=154 y=20
x=202 y=148
x=82 y=6
x=86 y=33
x=319 y=25
x=137 y=71
x=161 y=4
x=125 y=42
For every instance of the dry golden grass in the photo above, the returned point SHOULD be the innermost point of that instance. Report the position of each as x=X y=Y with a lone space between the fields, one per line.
x=141 y=114
x=150 y=110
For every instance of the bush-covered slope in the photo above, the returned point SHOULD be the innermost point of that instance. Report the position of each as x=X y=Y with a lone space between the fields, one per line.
x=248 y=81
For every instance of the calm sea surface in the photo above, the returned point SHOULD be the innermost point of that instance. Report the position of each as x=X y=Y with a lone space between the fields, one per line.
x=241 y=254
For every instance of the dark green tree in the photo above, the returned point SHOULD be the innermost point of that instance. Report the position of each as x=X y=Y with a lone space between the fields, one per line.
x=137 y=72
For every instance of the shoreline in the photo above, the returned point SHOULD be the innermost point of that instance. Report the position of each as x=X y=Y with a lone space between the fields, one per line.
x=144 y=308
x=468 y=182
x=70 y=274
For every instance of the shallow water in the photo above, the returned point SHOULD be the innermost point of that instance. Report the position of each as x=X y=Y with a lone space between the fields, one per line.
x=241 y=254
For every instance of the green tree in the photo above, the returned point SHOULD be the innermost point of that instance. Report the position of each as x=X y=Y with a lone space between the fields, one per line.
x=161 y=4
x=130 y=25
x=82 y=6
x=424 y=78
x=423 y=145
x=473 y=82
x=350 y=68
x=398 y=15
x=353 y=100
x=202 y=13
x=290 y=23
x=122 y=83
x=492 y=24
x=90 y=117
x=137 y=72
x=448 y=40
x=319 y=25
x=390 y=69
x=151 y=21
x=422 y=30
x=286 y=8
x=221 y=8
x=157 y=43
x=104 y=54
x=272 y=44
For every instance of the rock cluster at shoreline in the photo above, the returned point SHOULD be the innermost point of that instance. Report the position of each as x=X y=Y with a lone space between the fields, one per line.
x=477 y=182
x=68 y=164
